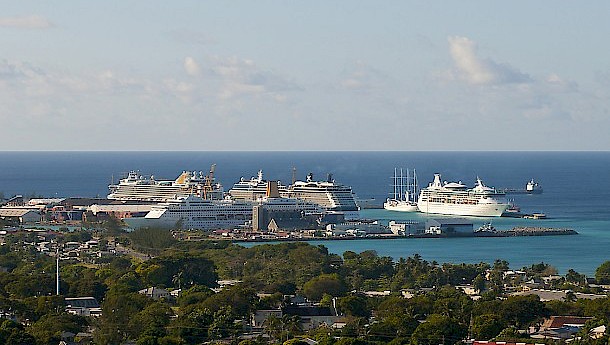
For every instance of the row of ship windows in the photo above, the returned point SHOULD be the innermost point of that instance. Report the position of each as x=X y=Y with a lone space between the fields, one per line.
x=221 y=217
x=451 y=201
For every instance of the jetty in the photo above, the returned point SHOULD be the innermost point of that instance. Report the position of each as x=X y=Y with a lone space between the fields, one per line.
x=525 y=231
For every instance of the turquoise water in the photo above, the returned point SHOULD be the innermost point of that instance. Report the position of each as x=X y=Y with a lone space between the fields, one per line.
x=576 y=192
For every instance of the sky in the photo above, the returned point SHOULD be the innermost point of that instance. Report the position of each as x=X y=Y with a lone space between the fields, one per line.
x=308 y=75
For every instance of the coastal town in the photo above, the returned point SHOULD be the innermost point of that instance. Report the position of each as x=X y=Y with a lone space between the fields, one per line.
x=76 y=271
x=156 y=286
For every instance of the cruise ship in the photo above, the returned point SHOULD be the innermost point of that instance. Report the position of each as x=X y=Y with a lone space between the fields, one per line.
x=136 y=187
x=454 y=198
x=331 y=196
x=193 y=212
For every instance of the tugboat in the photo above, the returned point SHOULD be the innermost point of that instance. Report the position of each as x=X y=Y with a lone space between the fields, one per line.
x=513 y=211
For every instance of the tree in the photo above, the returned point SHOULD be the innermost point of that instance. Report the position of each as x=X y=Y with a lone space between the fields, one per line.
x=12 y=333
x=223 y=324
x=439 y=329
x=602 y=273
x=354 y=305
x=151 y=240
x=522 y=310
x=48 y=328
x=330 y=284
x=487 y=326
x=117 y=309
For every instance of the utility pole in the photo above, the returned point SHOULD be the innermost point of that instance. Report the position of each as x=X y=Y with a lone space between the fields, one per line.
x=57 y=269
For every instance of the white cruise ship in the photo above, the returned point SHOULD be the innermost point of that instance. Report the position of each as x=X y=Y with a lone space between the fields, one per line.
x=193 y=212
x=456 y=199
x=196 y=213
x=136 y=187
x=331 y=196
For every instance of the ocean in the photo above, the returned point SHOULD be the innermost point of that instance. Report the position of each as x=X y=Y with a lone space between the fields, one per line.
x=576 y=192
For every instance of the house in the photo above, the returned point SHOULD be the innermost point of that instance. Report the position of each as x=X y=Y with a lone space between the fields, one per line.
x=312 y=316
x=556 y=295
x=259 y=317
x=155 y=293
x=83 y=306
x=20 y=215
x=406 y=228
x=560 y=327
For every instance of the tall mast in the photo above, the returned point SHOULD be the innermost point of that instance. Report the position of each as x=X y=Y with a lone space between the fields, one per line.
x=402 y=185
x=395 y=184
x=407 y=187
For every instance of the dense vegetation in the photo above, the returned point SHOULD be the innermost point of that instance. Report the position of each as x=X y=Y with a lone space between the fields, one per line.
x=199 y=315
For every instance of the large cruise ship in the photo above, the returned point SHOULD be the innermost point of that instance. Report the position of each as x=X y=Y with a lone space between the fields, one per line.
x=456 y=199
x=193 y=212
x=331 y=196
x=136 y=187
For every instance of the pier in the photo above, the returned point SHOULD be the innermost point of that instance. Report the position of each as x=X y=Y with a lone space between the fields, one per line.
x=526 y=231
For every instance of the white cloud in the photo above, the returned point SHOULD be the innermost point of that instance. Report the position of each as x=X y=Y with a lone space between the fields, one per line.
x=475 y=70
x=26 y=22
x=242 y=77
x=191 y=66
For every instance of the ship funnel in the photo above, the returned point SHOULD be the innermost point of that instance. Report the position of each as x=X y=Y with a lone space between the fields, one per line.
x=272 y=189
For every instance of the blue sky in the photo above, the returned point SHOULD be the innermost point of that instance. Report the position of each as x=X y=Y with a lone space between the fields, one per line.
x=315 y=75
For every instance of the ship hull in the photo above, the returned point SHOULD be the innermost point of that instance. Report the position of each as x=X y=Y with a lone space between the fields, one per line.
x=401 y=206
x=476 y=210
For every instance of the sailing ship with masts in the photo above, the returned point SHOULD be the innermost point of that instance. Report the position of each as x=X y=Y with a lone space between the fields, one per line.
x=404 y=198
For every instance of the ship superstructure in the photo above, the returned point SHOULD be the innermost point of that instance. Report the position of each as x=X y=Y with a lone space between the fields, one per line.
x=136 y=187
x=454 y=198
x=193 y=212
x=252 y=189
x=331 y=196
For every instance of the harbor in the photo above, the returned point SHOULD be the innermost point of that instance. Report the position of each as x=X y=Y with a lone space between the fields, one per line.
x=63 y=174
x=260 y=209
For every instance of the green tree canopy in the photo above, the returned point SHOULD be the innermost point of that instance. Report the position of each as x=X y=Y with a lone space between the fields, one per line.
x=330 y=284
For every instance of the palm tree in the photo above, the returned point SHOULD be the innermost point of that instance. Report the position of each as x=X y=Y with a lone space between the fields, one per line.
x=273 y=326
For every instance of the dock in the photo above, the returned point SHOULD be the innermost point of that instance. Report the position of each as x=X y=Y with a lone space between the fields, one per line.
x=526 y=231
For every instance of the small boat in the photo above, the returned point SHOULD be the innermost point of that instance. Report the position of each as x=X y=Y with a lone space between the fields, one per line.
x=513 y=210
